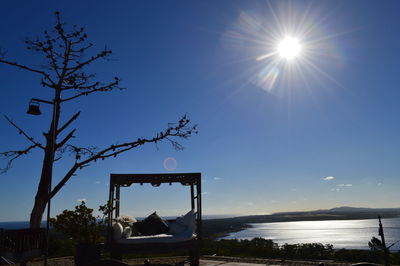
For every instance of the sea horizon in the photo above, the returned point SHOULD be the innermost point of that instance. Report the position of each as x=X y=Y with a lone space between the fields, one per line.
x=348 y=234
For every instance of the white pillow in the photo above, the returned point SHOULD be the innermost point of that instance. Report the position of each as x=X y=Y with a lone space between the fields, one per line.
x=117 y=231
x=176 y=228
x=127 y=232
x=189 y=221
x=125 y=220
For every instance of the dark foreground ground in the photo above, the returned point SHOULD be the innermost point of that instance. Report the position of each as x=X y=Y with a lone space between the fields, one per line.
x=205 y=261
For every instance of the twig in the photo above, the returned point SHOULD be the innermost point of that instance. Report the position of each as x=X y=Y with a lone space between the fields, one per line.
x=14 y=155
x=31 y=139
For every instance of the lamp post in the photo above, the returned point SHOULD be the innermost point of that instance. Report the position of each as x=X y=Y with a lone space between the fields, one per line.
x=385 y=249
x=35 y=110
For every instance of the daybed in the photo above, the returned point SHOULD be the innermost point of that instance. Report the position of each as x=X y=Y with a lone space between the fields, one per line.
x=188 y=240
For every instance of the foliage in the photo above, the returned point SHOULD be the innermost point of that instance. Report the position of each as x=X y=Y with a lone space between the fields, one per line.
x=375 y=244
x=309 y=250
x=61 y=247
x=80 y=225
x=347 y=255
x=265 y=248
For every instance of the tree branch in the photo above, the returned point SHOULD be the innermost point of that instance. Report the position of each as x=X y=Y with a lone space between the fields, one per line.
x=182 y=130
x=68 y=137
x=74 y=117
x=14 y=155
x=108 y=87
x=31 y=139
x=102 y=54
x=47 y=47
x=47 y=76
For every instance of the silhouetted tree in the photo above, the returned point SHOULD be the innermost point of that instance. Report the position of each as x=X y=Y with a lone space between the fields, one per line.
x=375 y=244
x=65 y=73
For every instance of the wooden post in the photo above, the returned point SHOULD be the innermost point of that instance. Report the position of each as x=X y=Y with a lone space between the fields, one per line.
x=199 y=210
x=192 y=196
x=111 y=202
x=117 y=201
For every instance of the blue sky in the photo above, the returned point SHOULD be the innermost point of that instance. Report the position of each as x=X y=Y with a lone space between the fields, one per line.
x=270 y=131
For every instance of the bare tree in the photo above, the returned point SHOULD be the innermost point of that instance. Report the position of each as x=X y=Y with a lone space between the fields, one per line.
x=65 y=73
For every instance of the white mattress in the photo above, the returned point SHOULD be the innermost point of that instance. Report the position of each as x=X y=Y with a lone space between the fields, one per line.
x=162 y=238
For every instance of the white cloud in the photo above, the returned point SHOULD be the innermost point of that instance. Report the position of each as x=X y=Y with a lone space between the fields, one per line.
x=217 y=178
x=345 y=185
x=204 y=193
x=379 y=184
x=328 y=178
x=335 y=189
x=250 y=203
x=97 y=182
x=80 y=200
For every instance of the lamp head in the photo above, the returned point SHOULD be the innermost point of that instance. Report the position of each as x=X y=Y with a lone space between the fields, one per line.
x=33 y=108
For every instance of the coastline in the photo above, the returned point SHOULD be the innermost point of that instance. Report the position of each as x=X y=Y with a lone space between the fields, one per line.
x=217 y=228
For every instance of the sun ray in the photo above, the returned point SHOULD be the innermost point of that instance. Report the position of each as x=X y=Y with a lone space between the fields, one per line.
x=284 y=74
x=262 y=57
x=326 y=75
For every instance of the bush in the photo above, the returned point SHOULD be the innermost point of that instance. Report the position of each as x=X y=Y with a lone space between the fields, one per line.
x=264 y=248
x=79 y=225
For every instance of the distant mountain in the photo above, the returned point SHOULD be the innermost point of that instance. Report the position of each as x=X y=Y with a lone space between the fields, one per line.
x=354 y=209
x=345 y=209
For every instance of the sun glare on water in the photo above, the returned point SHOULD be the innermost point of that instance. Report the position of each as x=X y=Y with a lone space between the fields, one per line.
x=289 y=48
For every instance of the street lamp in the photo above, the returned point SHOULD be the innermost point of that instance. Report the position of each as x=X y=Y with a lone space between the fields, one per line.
x=34 y=109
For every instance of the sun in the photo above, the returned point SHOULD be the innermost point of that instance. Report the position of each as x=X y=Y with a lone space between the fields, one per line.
x=289 y=48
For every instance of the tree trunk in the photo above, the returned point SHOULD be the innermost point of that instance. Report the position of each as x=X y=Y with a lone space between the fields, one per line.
x=42 y=193
x=44 y=188
x=40 y=200
x=37 y=212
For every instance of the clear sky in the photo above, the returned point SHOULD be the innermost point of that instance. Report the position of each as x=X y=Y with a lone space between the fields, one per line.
x=318 y=131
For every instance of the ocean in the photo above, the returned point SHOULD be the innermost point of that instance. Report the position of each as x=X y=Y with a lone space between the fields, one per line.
x=17 y=225
x=349 y=234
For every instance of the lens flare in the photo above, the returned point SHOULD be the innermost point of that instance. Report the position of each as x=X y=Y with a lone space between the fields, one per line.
x=170 y=164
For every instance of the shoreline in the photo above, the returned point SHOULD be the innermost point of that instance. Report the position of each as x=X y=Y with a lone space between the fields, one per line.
x=217 y=228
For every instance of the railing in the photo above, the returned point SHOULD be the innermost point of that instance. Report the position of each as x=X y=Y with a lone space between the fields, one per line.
x=22 y=240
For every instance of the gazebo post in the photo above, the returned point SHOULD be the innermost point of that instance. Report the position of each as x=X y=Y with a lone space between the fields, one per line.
x=199 y=210
x=192 y=196
x=117 y=206
x=111 y=202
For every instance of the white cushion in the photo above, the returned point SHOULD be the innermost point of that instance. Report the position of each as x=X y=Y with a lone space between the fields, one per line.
x=176 y=228
x=127 y=232
x=117 y=231
x=189 y=221
x=162 y=238
x=125 y=220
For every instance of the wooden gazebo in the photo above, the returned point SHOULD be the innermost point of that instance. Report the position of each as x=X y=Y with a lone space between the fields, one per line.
x=192 y=180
